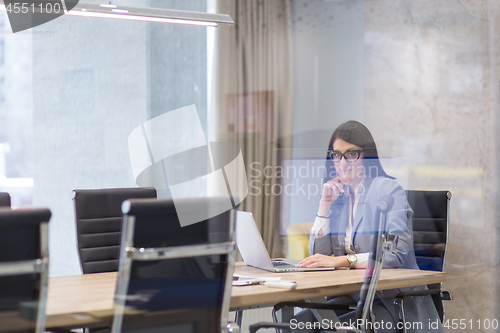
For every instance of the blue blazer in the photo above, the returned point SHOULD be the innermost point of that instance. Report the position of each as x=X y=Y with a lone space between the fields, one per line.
x=365 y=224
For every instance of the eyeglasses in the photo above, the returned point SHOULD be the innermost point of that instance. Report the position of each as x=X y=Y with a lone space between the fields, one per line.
x=350 y=156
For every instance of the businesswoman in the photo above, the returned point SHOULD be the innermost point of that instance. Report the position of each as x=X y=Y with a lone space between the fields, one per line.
x=355 y=183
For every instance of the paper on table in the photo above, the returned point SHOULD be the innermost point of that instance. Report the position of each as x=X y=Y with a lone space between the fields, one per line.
x=260 y=278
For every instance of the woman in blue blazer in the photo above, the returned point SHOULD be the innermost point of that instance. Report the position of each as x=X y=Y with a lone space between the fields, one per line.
x=354 y=185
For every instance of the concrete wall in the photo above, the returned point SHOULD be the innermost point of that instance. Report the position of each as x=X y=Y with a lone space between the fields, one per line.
x=426 y=84
x=431 y=95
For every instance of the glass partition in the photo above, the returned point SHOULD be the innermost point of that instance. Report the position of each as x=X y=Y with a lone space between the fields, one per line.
x=423 y=76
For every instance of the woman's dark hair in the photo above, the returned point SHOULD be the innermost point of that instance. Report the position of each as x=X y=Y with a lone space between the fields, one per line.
x=357 y=134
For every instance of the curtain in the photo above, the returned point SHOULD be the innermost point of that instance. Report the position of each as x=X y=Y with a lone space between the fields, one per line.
x=252 y=100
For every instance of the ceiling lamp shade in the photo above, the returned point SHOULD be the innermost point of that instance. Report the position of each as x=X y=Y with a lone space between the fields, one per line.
x=149 y=14
x=47 y=10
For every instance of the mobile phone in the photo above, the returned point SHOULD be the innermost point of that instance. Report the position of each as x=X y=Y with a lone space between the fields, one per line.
x=241 y=283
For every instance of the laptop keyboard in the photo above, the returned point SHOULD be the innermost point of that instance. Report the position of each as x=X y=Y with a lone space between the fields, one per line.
x=282 y=264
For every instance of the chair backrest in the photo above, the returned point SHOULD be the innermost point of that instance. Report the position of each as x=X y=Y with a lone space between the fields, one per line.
x=23 y=269
x=4 y=199
x=430 y=227
x=99 y=225
x=173 y=278
x=431 y=212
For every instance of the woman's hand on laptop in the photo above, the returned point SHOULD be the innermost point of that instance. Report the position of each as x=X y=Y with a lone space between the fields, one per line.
x=320 y=260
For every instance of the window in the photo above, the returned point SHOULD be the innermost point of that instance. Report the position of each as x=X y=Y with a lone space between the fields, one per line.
x=74 y=90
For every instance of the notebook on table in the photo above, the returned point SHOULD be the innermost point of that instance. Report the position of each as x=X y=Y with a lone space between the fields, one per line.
x=254 y=251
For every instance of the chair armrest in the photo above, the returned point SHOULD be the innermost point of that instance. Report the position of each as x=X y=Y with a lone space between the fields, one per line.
x=257 y=326
x=307 y=305
x=445 y=294
x=233 y=328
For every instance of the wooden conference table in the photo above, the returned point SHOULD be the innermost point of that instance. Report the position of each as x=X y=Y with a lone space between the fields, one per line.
x=76 y=301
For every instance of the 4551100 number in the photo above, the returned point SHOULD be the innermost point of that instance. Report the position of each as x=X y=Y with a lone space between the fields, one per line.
x=41 y=8
x=462 y=324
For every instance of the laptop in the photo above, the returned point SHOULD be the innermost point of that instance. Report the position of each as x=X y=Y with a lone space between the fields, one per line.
x=254 y=251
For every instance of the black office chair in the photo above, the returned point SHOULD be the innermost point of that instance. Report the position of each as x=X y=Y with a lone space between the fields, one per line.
x=173 y=278
x=380 y=242
x=4 y=199
x=431 y=211
x=99 y=225
x=23 y=269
